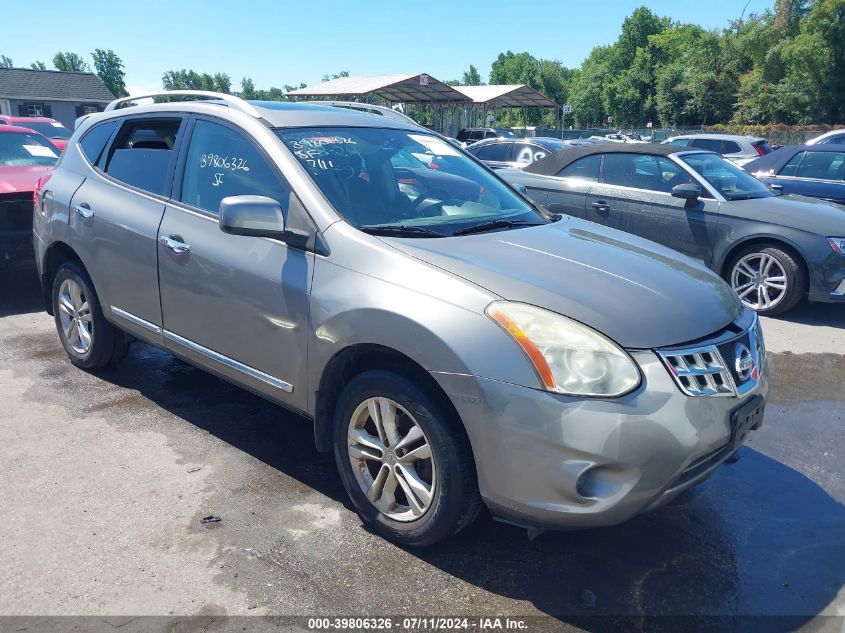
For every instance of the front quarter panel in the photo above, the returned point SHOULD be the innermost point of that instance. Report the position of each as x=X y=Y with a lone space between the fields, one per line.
x=366 y=292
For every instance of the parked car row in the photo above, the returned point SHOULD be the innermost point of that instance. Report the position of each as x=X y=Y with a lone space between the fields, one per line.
x=736 y=148
x=248 y=238
x=773 y=250
x=49 y=128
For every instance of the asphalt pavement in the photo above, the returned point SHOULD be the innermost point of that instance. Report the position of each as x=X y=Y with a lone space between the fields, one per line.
x=105 y=477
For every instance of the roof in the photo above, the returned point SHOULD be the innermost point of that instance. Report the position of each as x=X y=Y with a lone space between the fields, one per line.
x=52 y=85
x=506 y=95
x=413 y=88
x=553 y=163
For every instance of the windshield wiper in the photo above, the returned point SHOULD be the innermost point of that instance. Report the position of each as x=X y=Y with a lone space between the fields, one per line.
x=492 y=225
x=401 y=231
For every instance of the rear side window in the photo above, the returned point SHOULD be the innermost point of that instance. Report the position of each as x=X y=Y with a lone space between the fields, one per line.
x=817 y=165
x=731 y=147
x=223 y=162
x=95 y=139
x=683 y=142
x=586 y=168
x=712 y=144
x=654 y=173
x=834 y=140
x=494 y=151
x=142 y=153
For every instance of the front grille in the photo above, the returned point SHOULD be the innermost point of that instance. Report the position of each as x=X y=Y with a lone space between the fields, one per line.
x=724 y=367
x=16 y=212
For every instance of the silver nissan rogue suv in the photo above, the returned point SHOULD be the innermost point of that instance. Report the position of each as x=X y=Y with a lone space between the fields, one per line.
x=455 y=346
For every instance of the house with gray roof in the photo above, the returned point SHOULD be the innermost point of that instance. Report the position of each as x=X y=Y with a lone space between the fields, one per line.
x=63 y=96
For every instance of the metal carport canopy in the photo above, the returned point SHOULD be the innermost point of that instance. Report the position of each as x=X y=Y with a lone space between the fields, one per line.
x=507 y=95
x=414 y=88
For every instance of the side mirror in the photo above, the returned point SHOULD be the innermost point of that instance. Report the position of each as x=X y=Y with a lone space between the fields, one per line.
x=257 y=216
x=686 y=191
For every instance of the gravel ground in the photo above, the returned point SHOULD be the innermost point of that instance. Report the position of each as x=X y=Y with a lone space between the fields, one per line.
x=104 y=479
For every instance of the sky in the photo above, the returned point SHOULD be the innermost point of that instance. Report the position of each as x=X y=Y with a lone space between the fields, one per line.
x=277 y=43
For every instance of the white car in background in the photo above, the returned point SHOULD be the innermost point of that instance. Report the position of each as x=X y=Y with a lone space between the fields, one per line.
x=737 y=149
x=834 y=137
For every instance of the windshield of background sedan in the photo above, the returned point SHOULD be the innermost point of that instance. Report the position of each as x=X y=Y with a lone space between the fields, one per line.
x=406 y=183
x=728 y=179
x=18 y=149
x=50 y=130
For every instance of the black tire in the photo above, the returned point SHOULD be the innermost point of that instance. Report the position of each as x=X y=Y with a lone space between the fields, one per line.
x=108 y=344
x=455 y=501
x=796 y=281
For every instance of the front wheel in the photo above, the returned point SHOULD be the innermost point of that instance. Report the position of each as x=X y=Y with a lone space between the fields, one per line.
x=404 y=462
x=767 y=279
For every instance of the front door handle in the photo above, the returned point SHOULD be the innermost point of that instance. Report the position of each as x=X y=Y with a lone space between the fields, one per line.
x=175 y=244
x=601 y=205
x=84 y=210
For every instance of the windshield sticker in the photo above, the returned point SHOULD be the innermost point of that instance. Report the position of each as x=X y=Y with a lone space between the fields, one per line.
x=56 y=124
x=435 y=145
x=217 y=161
x=39 y=150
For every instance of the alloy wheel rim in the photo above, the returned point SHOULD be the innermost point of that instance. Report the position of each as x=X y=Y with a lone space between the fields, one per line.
x=75 y=316
x=759 y=281
x=391 y=458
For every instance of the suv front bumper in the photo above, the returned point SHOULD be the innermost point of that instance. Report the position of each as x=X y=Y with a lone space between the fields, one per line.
x=547 y=460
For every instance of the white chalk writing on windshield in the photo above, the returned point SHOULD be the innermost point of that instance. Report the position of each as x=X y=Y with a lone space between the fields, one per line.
x=217 y=161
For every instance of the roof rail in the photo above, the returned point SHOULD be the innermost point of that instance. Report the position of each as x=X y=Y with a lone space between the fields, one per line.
x=368 y=108
x=232 y=101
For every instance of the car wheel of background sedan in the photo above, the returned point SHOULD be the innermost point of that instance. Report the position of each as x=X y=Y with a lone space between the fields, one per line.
x=407 y=468
x=90 y=341
x=767 y=279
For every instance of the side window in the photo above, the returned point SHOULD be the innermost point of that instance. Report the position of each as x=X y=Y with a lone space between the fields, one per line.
x=822 y=165
x=683 y=142
x=494 y=151
x=586 y=168
x=95 y=140
x=791 y=167
x=222 y=162
x=142 y=153
x=490 y=134
x=712 y=144
x=731 y=147
x=834 y=140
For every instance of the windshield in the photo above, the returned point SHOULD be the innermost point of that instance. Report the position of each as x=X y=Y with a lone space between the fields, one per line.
x=406 y=182
x=50 y=130
x=504 y=133
x=728 y=179
x=19 y=149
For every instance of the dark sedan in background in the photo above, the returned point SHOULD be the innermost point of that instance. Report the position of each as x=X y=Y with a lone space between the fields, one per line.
x=773 y=250
x=817 y=171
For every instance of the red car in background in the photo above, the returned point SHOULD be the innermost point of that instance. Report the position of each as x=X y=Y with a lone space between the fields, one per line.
x=52 y=129
x=26 y=158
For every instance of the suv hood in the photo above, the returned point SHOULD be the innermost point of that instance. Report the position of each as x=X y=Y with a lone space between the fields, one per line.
x=640 y=294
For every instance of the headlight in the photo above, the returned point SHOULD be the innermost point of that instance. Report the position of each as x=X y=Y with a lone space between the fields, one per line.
x=837 y=244
x=569 y=357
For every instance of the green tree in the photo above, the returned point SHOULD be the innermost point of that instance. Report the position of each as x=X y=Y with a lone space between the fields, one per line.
x=109 y=68
x=70 y=62
x=342 y=73
x=6 y=62
x=247 y=88
x=471 y=77
x=38 y=65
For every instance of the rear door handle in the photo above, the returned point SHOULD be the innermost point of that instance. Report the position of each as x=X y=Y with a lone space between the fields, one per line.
x=174 y=243
x=84 y=210
x=601 y=205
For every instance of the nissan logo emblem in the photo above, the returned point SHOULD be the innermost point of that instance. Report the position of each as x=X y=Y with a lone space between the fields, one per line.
x=743 y=362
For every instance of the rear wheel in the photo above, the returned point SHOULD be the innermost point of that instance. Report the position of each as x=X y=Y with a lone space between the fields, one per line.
x=406 y=467
x=767 y=278
x=90 y=341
